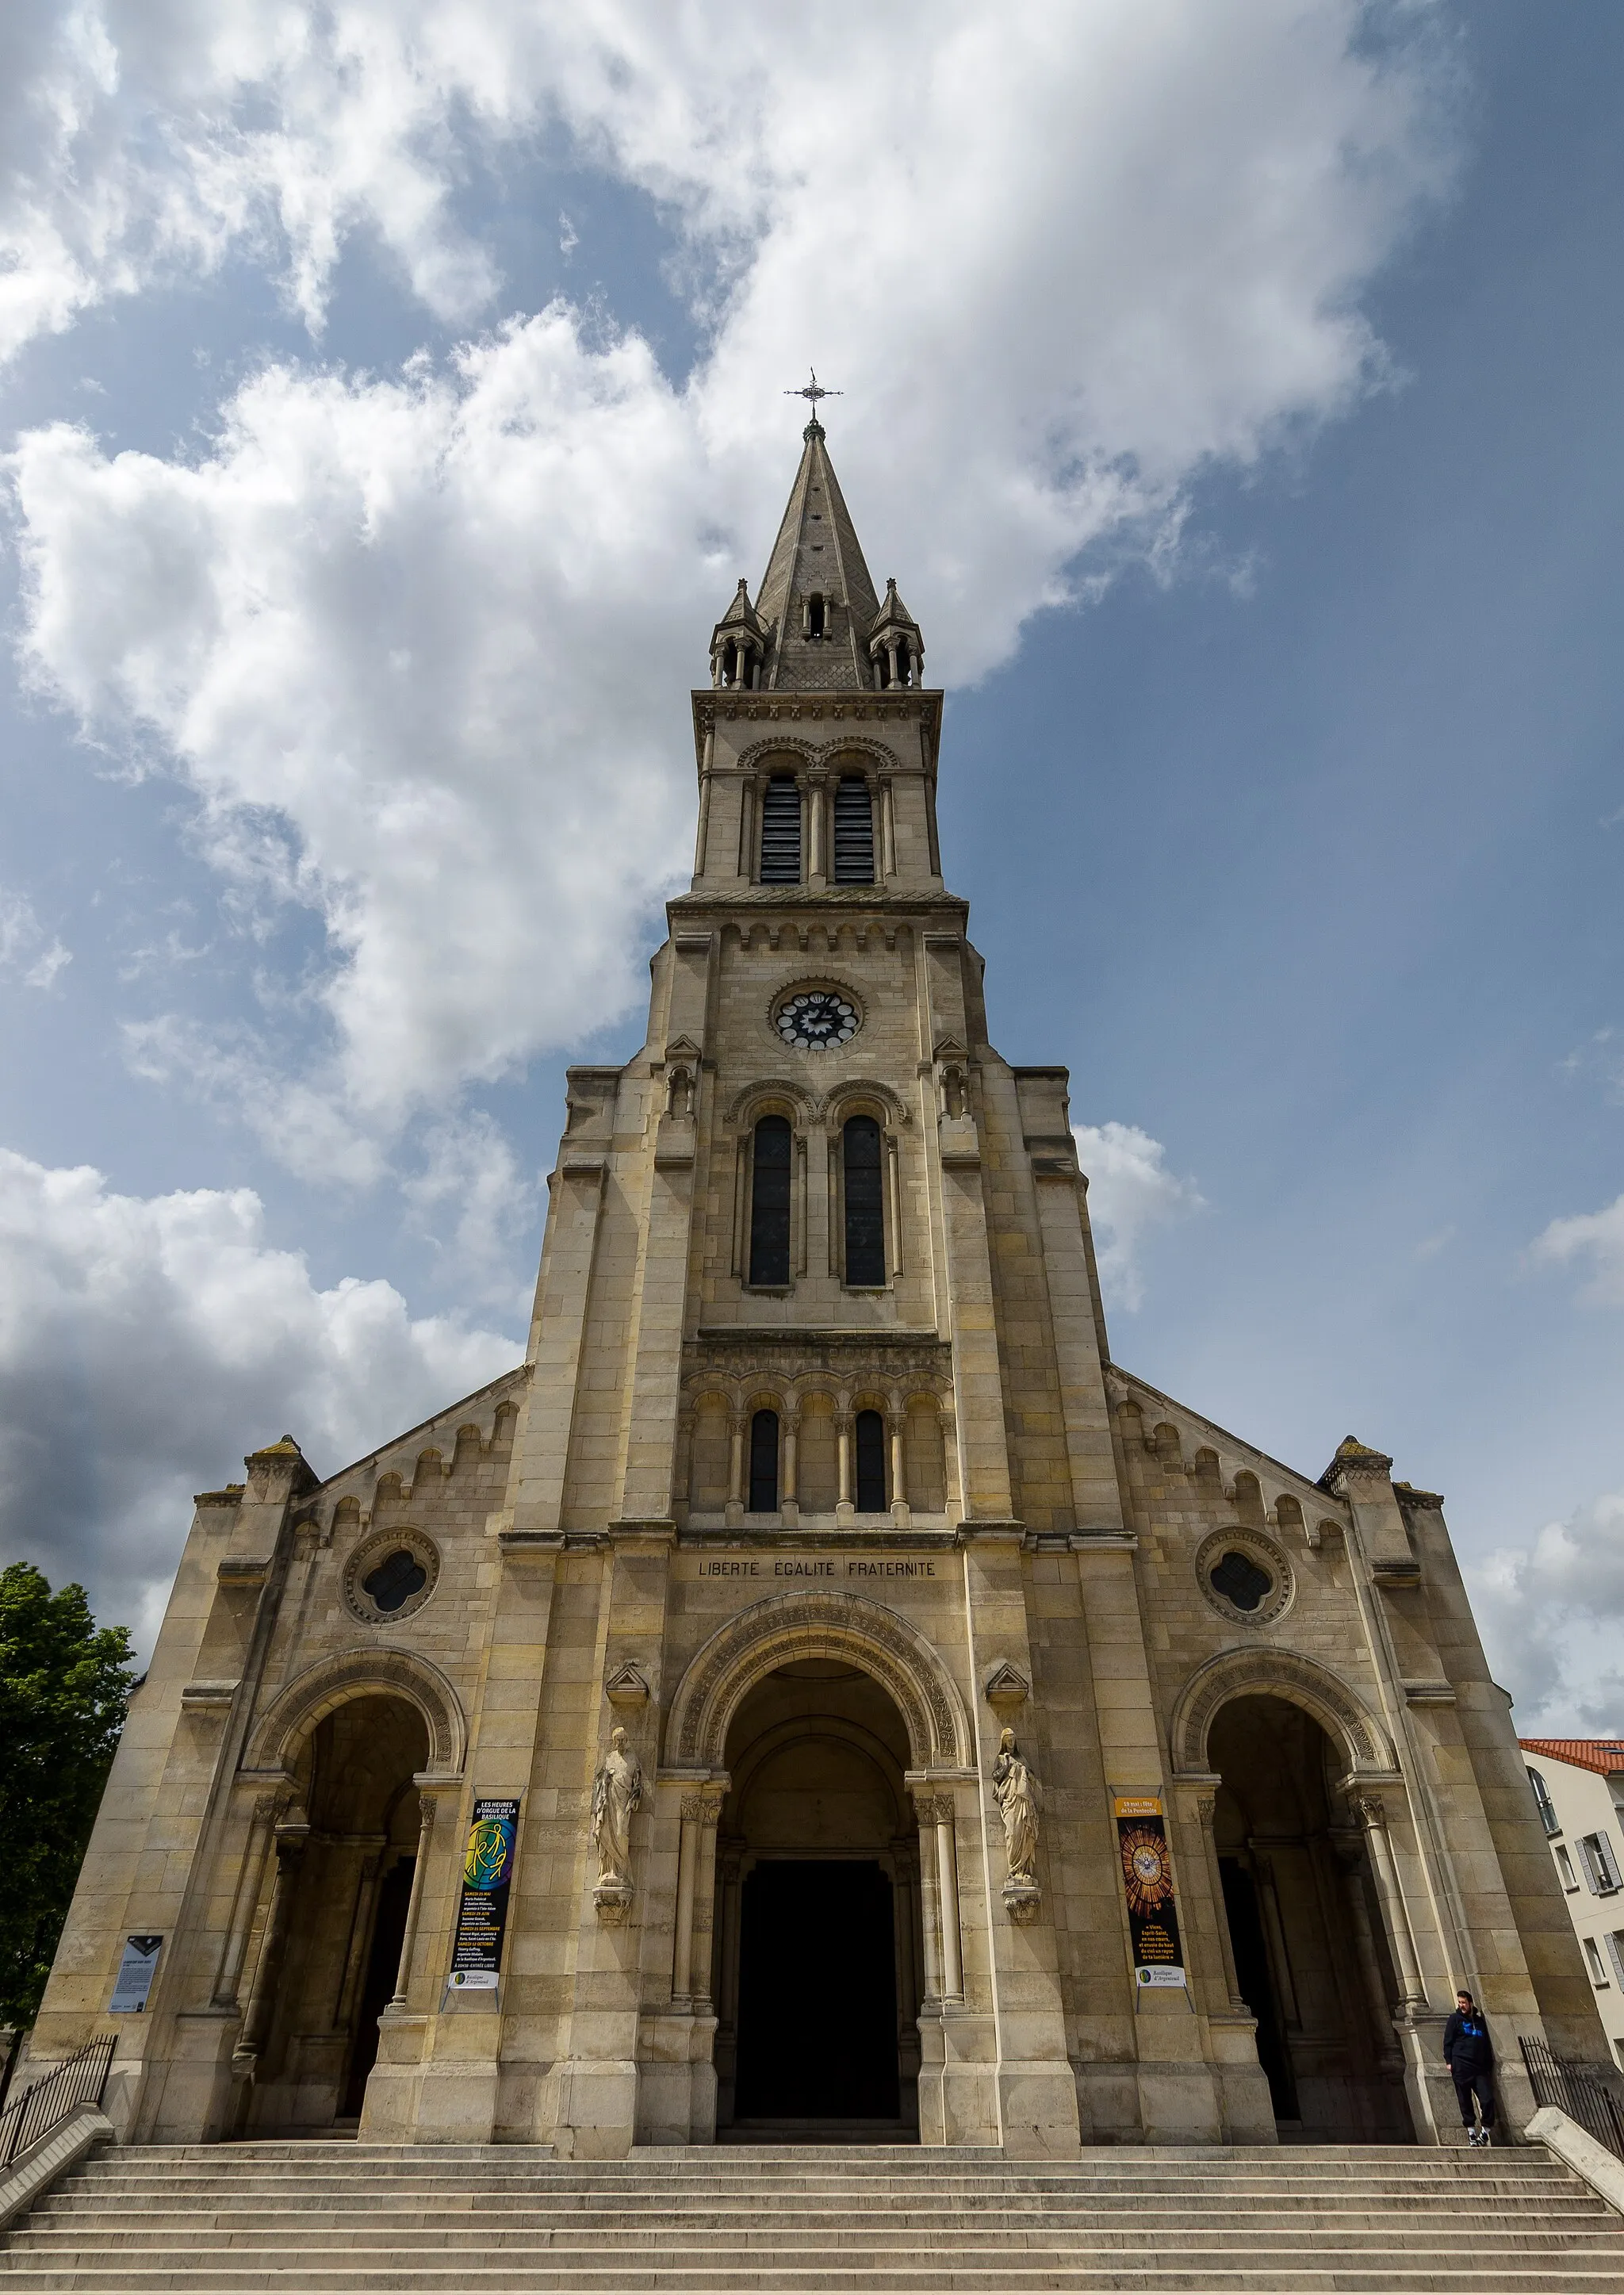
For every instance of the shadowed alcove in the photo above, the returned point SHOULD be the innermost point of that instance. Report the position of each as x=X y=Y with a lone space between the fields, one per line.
x=817 y=1955
x=1310 y=1958
x=324 y=1981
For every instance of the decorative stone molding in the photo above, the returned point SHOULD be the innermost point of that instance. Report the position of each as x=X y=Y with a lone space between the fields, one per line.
x=378 y=1672
x=786 y=1627
x=1023 y=1902
x=1276 y=1673
x=1006 y=1686
x=628 y=1684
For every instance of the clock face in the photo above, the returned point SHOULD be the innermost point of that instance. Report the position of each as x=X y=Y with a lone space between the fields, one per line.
x=816 y=1020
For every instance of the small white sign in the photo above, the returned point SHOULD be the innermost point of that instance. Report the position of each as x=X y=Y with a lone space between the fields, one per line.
x=1159 y=1976
x=471 y=1979
x=136 y=1971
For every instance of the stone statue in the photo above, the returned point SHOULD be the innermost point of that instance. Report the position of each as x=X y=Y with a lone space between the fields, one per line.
x=1015 y=1789
x=617 y=1789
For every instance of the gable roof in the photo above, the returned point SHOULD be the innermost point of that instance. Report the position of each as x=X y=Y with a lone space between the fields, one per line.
x=1604 y=1755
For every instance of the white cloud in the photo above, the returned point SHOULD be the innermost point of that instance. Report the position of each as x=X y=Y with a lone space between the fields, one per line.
x=1596 y=1238
x=1552 y=1617
x=417 y=641
x=147 y=1342
x=472 y=1200
x=1130 y=1192
x=28 y=951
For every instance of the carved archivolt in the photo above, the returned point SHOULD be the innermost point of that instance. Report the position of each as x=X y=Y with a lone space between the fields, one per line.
x=308 y=1700
x=786 y=1627
x=1303 y=1681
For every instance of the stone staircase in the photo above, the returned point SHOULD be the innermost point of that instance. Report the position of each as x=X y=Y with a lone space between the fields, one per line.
x=513 y=2221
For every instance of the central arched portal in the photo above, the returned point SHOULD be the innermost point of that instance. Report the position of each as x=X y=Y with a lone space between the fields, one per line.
x=817 y=1970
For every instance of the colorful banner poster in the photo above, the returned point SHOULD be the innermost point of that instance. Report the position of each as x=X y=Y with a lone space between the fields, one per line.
x=133 y=1980
x=482 y=1916
x=1148 y=1877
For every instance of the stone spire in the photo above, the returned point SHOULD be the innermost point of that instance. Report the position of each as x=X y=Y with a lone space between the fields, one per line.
x=817 y=599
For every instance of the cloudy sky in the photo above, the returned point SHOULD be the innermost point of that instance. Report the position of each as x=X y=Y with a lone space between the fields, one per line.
x=392 y=393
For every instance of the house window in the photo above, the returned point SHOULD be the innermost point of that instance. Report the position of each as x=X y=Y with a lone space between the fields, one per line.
x=854 y=831
x=871 y=1445
x=1543 y=1802
x=1615 y=1953
x=781 y=831
x=1564 y=1868
x=862 y=1151
x=770 y=1202
x=814 y=617
x=1601 y=1866
x=765 y=1462
x=1598 y=1967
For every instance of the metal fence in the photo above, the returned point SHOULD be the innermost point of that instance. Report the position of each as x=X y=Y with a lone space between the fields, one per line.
x=37 y=2110
x=1582 y=2097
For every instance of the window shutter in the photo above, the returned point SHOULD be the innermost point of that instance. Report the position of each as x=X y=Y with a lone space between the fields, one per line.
x=853 y=832
x=781 y=832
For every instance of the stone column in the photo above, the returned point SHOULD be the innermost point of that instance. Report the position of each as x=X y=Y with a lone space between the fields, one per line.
x=1206 y=1810
x=789 y=1504
x=1371 y=1814
x=688 y=1857
x=844 y=1511
x=290 y=1838
x=947 y=1885
x=250 y=1881
x=1345 y=1849
x=428 y=1804
x=734 y=1512
x=898 y=1467
x=366 y=1888
x=925 y=1809
x=705 y=1903
x=817 y=842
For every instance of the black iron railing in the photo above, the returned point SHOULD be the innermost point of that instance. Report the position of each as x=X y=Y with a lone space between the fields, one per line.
x=1582 y=2097
x=32 y=2116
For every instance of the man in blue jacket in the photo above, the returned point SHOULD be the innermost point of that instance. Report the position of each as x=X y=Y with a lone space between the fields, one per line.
x=1469 y=2052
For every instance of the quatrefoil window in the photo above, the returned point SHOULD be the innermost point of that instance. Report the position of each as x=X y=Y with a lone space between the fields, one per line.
x=397 y=1577
x=1238 y=1579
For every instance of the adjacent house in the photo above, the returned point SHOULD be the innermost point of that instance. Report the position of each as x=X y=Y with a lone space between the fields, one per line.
x=1579 y=1791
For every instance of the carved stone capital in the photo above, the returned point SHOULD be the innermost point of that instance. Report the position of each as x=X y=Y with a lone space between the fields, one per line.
x=613 y=1900
x=1023 y=1901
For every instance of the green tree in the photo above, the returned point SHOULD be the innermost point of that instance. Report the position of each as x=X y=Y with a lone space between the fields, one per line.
x=64 y=1685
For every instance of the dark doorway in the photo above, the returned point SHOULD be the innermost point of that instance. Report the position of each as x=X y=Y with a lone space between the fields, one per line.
x=382 y=1968
x=817 y=1992
x=1256 y=1988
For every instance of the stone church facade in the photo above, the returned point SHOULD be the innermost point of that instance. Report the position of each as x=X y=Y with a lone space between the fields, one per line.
x=883 y=1712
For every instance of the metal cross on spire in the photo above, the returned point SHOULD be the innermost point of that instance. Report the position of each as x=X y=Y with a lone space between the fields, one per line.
x=813 y=391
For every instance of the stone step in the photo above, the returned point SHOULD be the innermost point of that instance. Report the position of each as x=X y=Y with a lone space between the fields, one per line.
x=381 y=2221
x=1268 y=2273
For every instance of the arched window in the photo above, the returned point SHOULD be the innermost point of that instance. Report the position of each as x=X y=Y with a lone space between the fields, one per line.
x=781 y=831
x=871 y=1445
x=770 y=1202
x=765 y=1462
x=854 y=831
x=1544 y=1803
x=814 y=617
x=865 y=1203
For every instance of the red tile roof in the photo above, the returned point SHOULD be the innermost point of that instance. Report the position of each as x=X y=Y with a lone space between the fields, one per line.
x=1604 y=1755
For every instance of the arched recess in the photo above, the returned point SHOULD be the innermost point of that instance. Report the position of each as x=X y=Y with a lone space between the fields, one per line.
x=786 y=1627
x=1340 y=1712
x=861 y=1095
x=771 y=1094
x=307 y=1701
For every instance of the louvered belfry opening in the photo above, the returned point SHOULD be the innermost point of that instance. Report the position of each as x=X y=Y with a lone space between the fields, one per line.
x=781 y=831
x=865 y=1211
x=871 y=1447
x=765 y=1462
x=770 y=1202
x=854 y=831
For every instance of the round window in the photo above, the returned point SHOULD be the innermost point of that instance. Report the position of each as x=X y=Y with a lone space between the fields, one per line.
x=390 y=1576
x=1245 y=1576
x=816 y=1019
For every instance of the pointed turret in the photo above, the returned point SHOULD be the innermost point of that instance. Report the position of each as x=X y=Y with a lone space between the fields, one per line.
x=896 y=651
x=738 y=642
